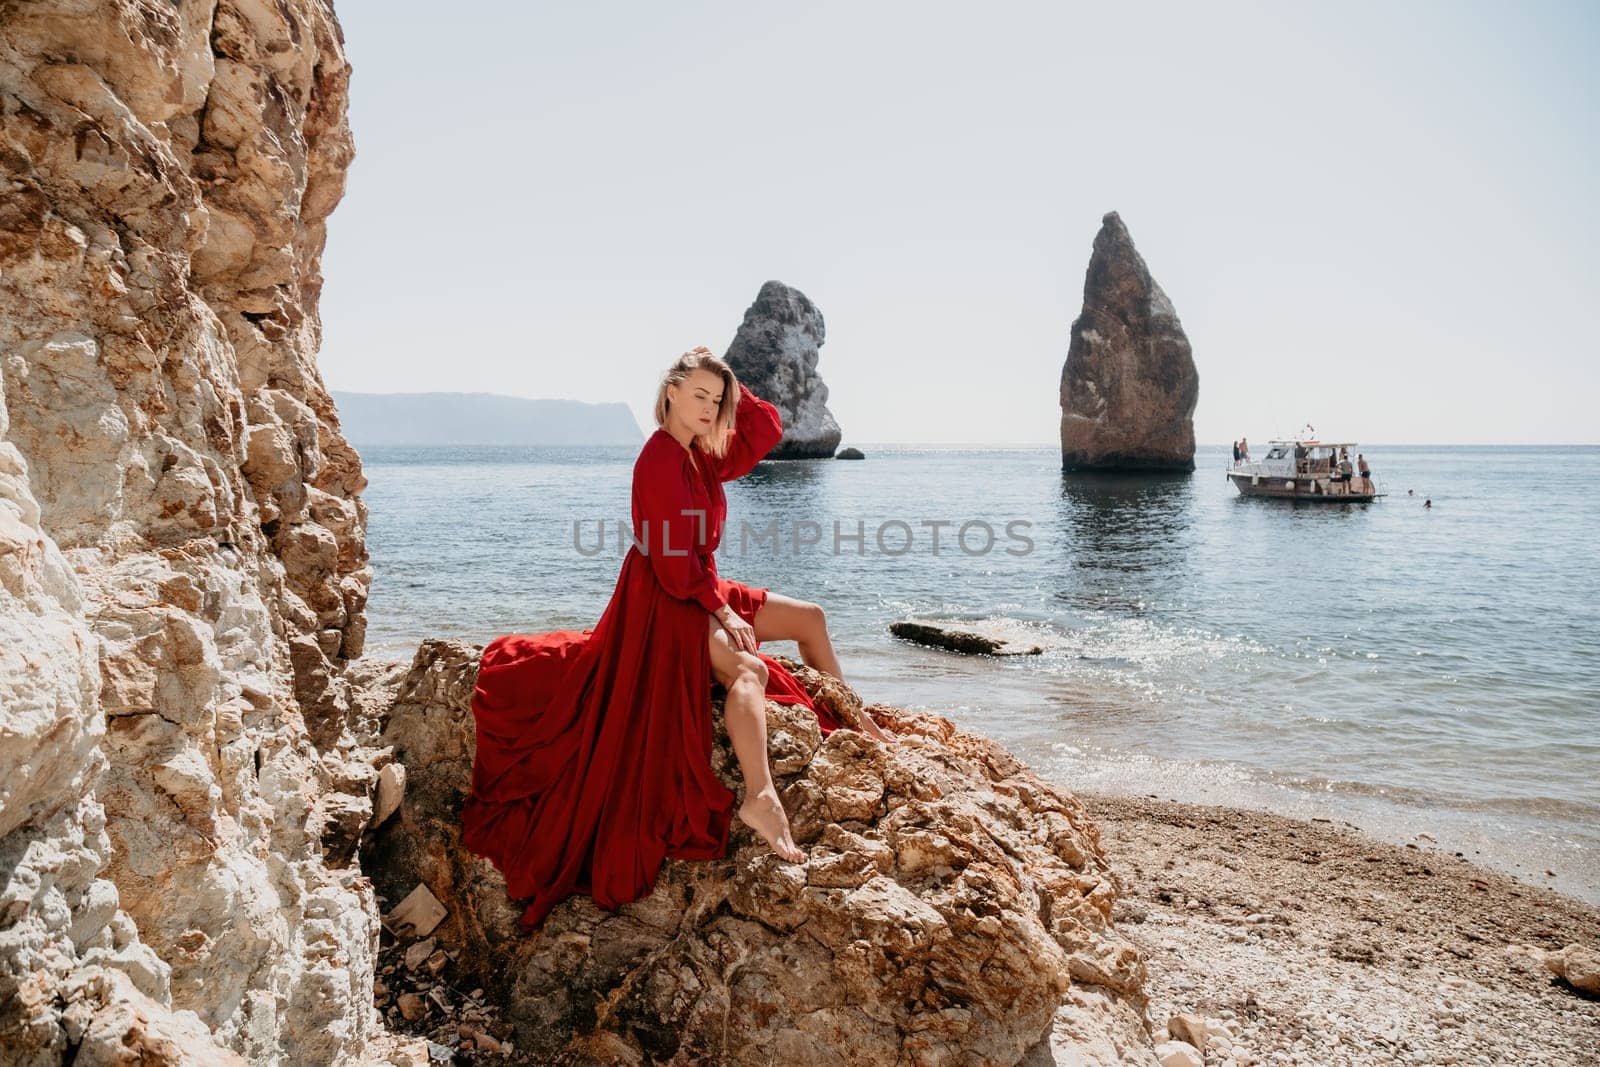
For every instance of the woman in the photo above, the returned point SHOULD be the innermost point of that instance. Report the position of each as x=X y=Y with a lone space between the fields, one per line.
x=593 y=746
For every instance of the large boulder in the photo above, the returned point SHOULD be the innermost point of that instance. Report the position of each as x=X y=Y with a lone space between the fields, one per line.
x=775 y=353
x=951 y=907
x=183 y=570
x=1129 y=386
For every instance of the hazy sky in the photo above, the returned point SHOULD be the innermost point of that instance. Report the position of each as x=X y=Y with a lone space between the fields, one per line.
x=1377 y=218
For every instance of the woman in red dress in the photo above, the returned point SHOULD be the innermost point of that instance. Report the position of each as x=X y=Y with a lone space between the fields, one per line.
x=593 y=746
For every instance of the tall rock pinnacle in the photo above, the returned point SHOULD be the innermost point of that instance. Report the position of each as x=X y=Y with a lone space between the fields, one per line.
x=775 y=353
x=1129 y=386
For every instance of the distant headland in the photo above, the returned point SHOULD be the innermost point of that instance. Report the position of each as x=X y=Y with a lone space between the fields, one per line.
x=481 y=419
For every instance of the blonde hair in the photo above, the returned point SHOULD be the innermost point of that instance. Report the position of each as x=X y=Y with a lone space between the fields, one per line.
x=700 y=358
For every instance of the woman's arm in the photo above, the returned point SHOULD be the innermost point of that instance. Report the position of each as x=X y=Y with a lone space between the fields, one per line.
x=757 y=427
x=665 y=524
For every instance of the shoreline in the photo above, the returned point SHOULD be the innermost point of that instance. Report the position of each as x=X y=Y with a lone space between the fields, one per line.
x=1492 y=840
x=1527 y=852
x=1329 y=945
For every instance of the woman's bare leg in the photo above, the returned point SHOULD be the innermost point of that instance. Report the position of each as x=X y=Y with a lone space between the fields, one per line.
x=784 y=618
x=744 y=712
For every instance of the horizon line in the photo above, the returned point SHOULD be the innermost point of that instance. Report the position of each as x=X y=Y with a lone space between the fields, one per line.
x=973 y=444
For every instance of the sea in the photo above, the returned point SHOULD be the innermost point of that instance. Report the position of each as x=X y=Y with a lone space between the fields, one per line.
x=1429 y=675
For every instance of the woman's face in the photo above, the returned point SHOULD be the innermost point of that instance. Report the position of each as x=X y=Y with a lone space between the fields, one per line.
x=696 y=400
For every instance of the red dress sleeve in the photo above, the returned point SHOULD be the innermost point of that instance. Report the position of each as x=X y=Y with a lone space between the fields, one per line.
x=757 y=427
x=666 y=522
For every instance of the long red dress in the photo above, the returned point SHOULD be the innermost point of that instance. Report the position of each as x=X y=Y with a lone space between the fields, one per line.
x=593 y=756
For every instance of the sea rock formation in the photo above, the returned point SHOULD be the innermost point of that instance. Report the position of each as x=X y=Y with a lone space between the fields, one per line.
x=1129 y=386
x=775 y=353
x=954 y=908
x=182 y=561
x=964 y=640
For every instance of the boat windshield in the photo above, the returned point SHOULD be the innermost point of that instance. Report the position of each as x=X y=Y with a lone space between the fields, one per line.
x=1278 y=452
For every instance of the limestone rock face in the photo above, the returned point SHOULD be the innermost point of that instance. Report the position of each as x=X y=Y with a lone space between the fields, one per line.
x=775 y=353
x=182 y=560
x=950 y=904
x=1129 y=386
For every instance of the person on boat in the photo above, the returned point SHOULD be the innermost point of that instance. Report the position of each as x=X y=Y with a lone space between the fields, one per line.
x=1346 y=471
x=1236 y=454
x=1301 y=466
x=1244 y=449
x=593 y=758
x=1366 y=472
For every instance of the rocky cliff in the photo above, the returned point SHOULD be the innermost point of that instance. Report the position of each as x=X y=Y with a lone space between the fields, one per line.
x=182 y=562
x=775 y=353
x=1129 y=386
x=953 y=908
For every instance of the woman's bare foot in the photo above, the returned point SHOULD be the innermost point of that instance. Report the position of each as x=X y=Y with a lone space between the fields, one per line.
x=763 y=813
x=872 y=729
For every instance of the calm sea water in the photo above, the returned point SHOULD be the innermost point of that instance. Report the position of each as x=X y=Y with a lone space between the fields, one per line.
x=1405 y=670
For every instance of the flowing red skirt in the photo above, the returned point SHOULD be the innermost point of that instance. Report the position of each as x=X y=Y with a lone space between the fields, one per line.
x=593 y=760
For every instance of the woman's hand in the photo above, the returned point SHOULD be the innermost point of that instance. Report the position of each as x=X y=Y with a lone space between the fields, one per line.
x=741 y=635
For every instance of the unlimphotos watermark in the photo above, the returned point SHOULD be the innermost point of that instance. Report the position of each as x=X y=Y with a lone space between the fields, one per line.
x=888 y=537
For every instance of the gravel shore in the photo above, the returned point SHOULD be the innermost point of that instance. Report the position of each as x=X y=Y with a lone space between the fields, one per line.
x=1317 y=944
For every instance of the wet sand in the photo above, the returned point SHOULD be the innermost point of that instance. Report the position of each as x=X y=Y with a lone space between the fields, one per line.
x=1330 y=947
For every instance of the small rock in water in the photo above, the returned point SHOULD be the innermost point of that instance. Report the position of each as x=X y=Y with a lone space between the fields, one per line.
x=965 y=641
